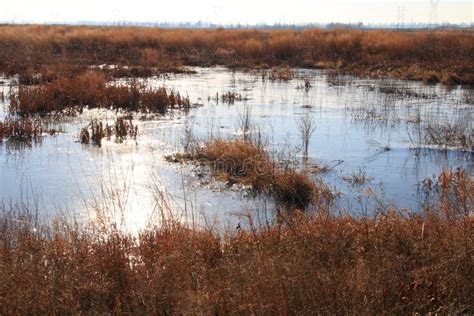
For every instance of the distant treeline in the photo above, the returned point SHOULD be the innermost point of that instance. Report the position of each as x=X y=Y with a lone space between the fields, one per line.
x=265 y=26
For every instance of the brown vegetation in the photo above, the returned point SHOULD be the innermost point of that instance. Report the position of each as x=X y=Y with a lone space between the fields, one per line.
x=450 y=135
x=284 y=74
x=20 y=129
x=48 y=73
x=359 y=177
x=311 y=265
x=231 y=97
x=395 y=262
x=122 y=129
x=455 y=190
x=243 y=162
x=92 y=90
x=444 y=55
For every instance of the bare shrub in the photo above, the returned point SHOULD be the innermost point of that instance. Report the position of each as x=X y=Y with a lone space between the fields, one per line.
x=306 y=129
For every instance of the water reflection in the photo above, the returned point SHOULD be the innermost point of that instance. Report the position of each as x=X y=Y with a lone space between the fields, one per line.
x=361 y=124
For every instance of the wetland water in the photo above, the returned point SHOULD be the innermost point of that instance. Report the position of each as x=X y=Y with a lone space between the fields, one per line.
x=363 y=127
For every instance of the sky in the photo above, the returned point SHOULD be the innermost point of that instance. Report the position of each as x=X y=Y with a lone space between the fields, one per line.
x=238 y=11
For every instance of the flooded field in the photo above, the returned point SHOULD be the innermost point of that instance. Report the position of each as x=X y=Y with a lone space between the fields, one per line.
x=375 y=143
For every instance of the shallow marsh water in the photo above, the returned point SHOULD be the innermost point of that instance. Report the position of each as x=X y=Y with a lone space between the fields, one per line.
x=362 y=126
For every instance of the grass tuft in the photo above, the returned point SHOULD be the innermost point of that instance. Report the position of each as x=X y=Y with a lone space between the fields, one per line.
x=243 y=162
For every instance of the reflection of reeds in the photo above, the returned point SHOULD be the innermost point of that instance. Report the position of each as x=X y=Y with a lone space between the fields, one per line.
x=359 y=177
x=457 y=136
x=406 y=93
x=444 y=136
x=231 y=97
x=122 y=129
x=279 y=74
x=20 y=129
x=468 y=96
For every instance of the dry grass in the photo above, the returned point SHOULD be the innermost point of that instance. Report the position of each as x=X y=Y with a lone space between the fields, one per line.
x=393 y=263
x=457 y=134
x=456 y=193
x=284 y=74
x=359 y=177
x=20 y=129
x=312 y=265
x=48 y=73
x=243 y=162
x=230 y=97
x=433 y=56
x=451 y=135
x=233 y=162
x=90 y=89
x=296 y=190
x=122 y=130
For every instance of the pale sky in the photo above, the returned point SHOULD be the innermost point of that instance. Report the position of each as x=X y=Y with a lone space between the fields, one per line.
x=236 y=11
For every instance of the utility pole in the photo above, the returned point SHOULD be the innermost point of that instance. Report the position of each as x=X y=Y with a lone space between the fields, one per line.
x=401 y=17
x=398 y=18
x=434 y=13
